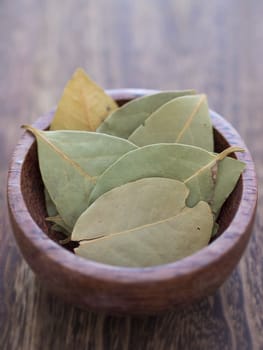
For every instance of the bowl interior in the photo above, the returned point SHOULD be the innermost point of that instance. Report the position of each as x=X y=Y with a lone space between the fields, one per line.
x=33 y=192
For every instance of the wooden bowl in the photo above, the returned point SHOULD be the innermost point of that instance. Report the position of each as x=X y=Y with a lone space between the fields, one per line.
x=96 y=286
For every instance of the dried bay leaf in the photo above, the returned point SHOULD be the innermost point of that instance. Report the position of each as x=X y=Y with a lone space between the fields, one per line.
x=70 y=162
x=83 y=105
x=226 y=182
x=58 y=228
x=130 y=116
x=215 y=229
x=184 y=119
x=194 y=166
x=144 y=223
x=50 y=206
x=152 y=187
x=60 y=224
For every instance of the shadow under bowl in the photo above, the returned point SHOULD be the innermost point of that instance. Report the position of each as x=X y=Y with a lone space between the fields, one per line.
x=96 y=286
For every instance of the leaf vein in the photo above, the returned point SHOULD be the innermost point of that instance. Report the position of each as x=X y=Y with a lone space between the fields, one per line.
x=61 y=154
x=190 y=118
x=113 y=234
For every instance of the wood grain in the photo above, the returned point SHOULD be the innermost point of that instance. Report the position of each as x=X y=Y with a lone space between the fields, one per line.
x=213 y=46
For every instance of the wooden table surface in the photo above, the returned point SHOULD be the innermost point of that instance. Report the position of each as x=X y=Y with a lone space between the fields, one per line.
x=215 y=47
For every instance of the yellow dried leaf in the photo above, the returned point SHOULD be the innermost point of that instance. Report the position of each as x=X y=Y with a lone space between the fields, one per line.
x=83 y=106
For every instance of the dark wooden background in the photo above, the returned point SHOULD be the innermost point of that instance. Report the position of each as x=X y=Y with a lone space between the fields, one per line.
x=215 y=47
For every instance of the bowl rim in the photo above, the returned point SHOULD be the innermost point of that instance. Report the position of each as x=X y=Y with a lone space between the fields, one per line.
x=210 y=254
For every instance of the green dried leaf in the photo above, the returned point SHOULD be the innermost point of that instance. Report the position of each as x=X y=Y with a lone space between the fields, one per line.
x=60 y=224
x=196 y=167
x=228 y=173
x=83 y=105
x=70 y=162
x=123 y=121
x=57 y=228
x=50 y=206
x=215 y=229
x=182 y=120
x=144 y=223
